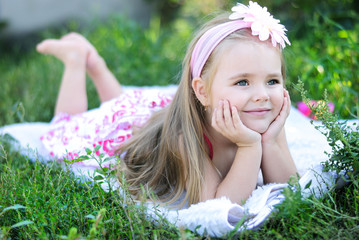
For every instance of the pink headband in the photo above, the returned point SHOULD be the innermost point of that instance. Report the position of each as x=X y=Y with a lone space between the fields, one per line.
x=255 y=17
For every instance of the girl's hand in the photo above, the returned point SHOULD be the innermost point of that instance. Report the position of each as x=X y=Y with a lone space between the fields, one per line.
x=226 y=120
x=277 y=125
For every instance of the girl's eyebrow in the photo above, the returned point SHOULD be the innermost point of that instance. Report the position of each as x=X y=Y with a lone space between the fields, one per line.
x=240 y=75
x=275 y=75
x=247 y=75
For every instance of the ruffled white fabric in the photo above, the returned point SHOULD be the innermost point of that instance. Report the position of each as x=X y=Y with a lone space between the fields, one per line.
x=218 y=217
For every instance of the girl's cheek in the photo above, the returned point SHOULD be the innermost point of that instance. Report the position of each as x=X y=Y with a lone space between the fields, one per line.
x=277 y=95
x=278 y=99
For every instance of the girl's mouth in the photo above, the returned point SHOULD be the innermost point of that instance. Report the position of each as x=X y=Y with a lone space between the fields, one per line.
x=258 y=112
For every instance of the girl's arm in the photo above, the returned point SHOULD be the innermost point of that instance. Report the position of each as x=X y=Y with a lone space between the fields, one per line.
x=277 y=163
x=242 y=176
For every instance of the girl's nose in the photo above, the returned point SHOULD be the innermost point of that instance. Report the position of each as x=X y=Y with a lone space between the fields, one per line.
x=260 y=95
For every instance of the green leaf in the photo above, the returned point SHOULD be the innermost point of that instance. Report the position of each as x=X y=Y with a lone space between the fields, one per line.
x=97 y=148
x=14 y=207
x=98 y=178
x=308 y=184
x=88 y=151
x=108 y=159
x=23 y=223
x=67 y=161
x=73 y=234
x=90 y=216
x=343 y=34
x=75 y=160
x=99 y=171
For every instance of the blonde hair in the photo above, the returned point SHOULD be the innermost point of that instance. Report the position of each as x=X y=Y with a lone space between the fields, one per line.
x=167 y=155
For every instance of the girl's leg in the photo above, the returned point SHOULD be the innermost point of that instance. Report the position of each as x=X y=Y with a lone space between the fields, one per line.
x=106 y=84
x=72 y=96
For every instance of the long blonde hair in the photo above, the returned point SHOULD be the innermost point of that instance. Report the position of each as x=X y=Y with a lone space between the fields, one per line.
x=167 y=155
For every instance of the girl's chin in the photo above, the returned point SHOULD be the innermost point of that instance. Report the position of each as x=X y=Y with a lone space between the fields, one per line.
x=259 y=129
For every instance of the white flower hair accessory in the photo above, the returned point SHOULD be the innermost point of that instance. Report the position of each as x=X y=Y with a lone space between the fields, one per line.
x=262 y=23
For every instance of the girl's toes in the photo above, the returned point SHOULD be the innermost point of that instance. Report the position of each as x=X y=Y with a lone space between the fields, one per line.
x=47 y=46
x=66 y=51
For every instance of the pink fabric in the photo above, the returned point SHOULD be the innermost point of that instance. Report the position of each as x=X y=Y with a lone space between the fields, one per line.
x=209 y=41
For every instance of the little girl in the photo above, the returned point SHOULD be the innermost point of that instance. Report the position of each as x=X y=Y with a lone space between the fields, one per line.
x=224 y=124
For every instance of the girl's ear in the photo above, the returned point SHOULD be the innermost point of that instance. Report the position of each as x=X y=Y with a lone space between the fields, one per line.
x=199 y=89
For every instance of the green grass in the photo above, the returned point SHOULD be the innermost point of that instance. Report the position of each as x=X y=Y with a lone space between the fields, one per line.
x=49 y=202
x=44 y=201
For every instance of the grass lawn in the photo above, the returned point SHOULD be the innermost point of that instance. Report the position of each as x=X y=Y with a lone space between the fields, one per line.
x=44 y=201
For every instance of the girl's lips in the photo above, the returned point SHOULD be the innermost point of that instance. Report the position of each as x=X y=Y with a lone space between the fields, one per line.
x=258 y=112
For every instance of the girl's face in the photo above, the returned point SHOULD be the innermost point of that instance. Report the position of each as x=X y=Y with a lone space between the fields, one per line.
x=249 y=76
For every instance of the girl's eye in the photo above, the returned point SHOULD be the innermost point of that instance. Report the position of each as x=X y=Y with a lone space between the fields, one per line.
x=242 y=83
x=273 y=82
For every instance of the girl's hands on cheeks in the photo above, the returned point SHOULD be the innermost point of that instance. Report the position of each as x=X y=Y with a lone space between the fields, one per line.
x=277 y=125
x=226 y=120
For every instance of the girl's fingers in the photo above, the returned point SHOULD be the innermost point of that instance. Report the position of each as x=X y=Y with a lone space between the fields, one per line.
x=217 y=117
x=226 y=120
x=214 y=119
x=227 y=115
x=284 y=112
x=236 y=120
x=287 y=102
x=286 y=105
x=222 y=118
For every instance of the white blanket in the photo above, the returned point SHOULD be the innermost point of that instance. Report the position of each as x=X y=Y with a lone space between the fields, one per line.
x=217 y=217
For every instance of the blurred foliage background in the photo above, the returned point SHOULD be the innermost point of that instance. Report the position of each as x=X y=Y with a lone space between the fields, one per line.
x=324 y=53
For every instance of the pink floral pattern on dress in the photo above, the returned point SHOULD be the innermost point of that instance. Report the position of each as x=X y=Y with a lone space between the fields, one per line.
x=110 y=125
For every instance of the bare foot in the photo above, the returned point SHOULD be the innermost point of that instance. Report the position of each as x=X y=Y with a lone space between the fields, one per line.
x=106 y=83
x=69 y=52
x=94 y=62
